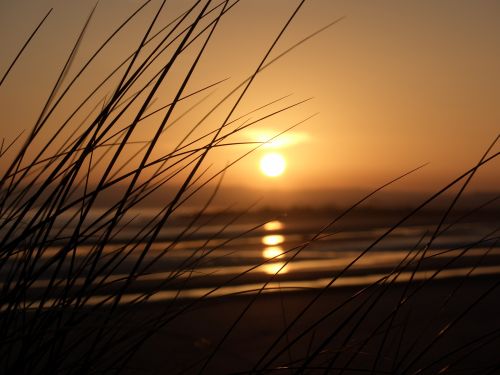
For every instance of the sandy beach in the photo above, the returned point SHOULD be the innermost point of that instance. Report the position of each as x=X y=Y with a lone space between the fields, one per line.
x=468 y=346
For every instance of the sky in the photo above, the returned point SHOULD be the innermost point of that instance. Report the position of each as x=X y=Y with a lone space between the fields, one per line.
x=392 y=85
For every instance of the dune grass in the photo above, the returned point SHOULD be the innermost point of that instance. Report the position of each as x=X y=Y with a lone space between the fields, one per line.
x=51 y=198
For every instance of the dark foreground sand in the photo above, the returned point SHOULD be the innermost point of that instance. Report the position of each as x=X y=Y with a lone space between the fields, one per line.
x=470 y=346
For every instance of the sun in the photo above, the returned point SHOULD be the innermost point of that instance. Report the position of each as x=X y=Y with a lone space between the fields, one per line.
x=272 y=164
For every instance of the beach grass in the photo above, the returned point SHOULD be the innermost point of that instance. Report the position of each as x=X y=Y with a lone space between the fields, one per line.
x=81 y=185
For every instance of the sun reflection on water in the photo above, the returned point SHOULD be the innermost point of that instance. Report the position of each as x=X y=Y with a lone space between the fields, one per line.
x=273 y=239
x=275 y=268
x=273 y=225
x=272 y=252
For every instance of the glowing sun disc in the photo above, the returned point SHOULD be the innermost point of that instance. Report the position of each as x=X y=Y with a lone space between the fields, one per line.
x=272 y=164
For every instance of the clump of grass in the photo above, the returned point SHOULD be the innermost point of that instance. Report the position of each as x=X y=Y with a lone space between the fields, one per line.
x=56 y=233
x=49 y=194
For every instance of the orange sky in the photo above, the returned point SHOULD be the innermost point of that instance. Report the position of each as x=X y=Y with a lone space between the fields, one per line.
x=394 y=84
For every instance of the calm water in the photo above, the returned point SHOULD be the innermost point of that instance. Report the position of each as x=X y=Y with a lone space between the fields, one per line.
x=291 y=253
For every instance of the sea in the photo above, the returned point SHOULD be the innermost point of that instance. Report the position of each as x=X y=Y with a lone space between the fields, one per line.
x=222 y=254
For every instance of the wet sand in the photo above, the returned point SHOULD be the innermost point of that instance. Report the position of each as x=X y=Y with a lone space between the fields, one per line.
x=183 y=344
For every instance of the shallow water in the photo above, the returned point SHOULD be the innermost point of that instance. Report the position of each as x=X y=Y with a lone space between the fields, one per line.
x=214 y=260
